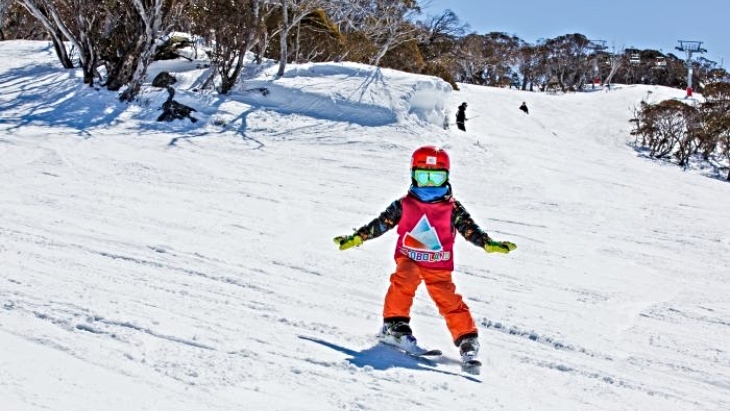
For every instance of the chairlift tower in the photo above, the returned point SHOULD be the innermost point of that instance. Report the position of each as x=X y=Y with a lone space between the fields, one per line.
x=596 y=46
x=690 y=47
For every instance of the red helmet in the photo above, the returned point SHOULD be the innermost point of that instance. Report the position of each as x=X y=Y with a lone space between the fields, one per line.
x=430 y=157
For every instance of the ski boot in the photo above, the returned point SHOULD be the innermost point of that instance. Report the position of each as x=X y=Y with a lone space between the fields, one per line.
x=469 y=349
x=397 y=333
x=396 y=329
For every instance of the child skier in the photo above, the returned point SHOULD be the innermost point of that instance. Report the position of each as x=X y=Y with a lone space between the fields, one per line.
x=428 y=218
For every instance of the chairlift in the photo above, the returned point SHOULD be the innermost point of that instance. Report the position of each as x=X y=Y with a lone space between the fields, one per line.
x=635 y=58
x=660 y=62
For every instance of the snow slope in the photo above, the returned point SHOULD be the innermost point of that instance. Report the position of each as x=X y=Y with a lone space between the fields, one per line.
x=180 y=266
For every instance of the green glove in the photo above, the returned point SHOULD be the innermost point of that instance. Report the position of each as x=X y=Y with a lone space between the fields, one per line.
x=348 y=241
x=503 y=247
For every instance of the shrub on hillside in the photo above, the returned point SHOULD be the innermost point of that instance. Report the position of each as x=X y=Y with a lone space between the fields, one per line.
x=675 y=130
x=668 y=130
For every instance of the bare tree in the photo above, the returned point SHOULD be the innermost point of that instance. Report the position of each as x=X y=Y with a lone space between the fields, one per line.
x=121 y=35
x=234 y=27
x=131 y=33
x=4 y=7
x=17 y=23
x=80 y=21
x=292 y=13
x=343 y=14
x=151 y=15
x=568 y=60
x=385 y=23
x=41 y=10
x=615 y=62
x=669 y=128
x=528 y=62
x=715 y=133
x=390 y=24
x=489 y=58
x=439 y=34
x=447 y=25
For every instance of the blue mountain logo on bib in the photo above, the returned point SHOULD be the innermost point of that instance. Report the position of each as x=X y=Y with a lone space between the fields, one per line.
x=423 y=237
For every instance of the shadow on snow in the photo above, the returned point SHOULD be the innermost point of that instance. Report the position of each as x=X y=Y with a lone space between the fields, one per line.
x=382 y=357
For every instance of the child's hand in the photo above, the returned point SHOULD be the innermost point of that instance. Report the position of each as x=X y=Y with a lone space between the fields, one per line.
x=348 y=241
x=503 y=247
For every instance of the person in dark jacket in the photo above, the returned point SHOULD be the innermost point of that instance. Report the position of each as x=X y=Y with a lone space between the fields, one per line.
x=523 y=107
x=428 y=218
x=461 y=117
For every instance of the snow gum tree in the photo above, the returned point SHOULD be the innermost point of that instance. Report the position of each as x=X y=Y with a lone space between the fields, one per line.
x=233 y=28
x=292 y=13
x=146 y=20
x=42 y=10
x=120 y=35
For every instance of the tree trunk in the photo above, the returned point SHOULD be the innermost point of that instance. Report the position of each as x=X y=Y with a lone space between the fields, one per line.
x=284 y=52
x=53 y=31
x=211 y=78
x=121 y=72
x=146 y=46
x=61 y=52
x=228 y=80
x=381 y=53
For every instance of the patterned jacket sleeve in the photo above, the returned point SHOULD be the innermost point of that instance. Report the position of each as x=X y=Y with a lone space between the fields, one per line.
x=466 y=226
x=379 y=226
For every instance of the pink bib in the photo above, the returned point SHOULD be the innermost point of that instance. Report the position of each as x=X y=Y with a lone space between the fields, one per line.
x=425 y=233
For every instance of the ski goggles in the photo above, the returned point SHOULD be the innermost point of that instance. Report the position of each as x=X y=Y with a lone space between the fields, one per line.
x=430 y=177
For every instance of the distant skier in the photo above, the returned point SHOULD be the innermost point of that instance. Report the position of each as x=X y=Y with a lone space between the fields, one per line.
x=523 y=107
x=461 y=117
x=428 y=218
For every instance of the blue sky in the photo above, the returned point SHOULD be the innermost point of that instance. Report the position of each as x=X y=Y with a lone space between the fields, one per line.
x=644 y=24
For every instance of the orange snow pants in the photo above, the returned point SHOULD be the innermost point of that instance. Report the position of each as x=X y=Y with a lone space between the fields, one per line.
x=403 y=284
